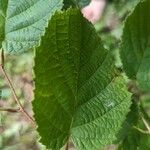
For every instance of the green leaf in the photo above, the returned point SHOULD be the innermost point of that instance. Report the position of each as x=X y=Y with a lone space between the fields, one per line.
x=3 y=7
x=22 y=22
x=79 y=94
x=68 y=4
x=131 y=120
x=80 y=3
x=128 y=137
x=135 y=50
x=144 y=142
x=83 y=3
x=135 y=140
x=131 y=141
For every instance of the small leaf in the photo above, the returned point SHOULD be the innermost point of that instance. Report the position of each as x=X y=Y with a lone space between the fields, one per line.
x=69 y=3
x=135 y=50
x=144 y=142
x=22 y=22
x=129 y=137
x=79 y=94
x=131 y=141
x=83 y=3
x=131 y=120
x=80 y=3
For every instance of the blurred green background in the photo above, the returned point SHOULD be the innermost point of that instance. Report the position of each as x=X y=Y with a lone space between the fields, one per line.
x=16 y=132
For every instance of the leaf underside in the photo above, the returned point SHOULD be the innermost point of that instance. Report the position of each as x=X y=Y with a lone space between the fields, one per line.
x=22 y=22
x=79 y=94
x=135 y=50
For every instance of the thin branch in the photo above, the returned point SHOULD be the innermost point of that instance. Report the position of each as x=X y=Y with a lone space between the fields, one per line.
x=15 y=95
x=13 y=90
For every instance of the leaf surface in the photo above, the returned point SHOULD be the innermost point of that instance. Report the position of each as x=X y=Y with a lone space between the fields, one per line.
x=79 y=94
x=135 y=50
x=22 y=22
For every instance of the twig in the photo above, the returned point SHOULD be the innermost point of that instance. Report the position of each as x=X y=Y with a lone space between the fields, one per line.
x=13 y=90
x=15 y=95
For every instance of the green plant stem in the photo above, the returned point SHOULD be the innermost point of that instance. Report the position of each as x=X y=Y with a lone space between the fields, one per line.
x=141 y=130
x=144 y=117
x=146 y=124
x=144 y=113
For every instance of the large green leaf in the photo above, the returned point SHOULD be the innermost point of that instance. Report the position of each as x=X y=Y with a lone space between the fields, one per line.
x=135 y=50
x=22 y=22
x=79 y=94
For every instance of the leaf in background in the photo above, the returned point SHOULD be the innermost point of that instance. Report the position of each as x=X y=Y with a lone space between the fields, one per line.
x=80 y=3
x=22 y=22
x=69 y=3
x=130 y=138
x=135 y=50
x=135 y=140
x=131 y=141
x=79 y=94
x=131 y=120
x=3 y=7
x=144 y=142
x=83 y=3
